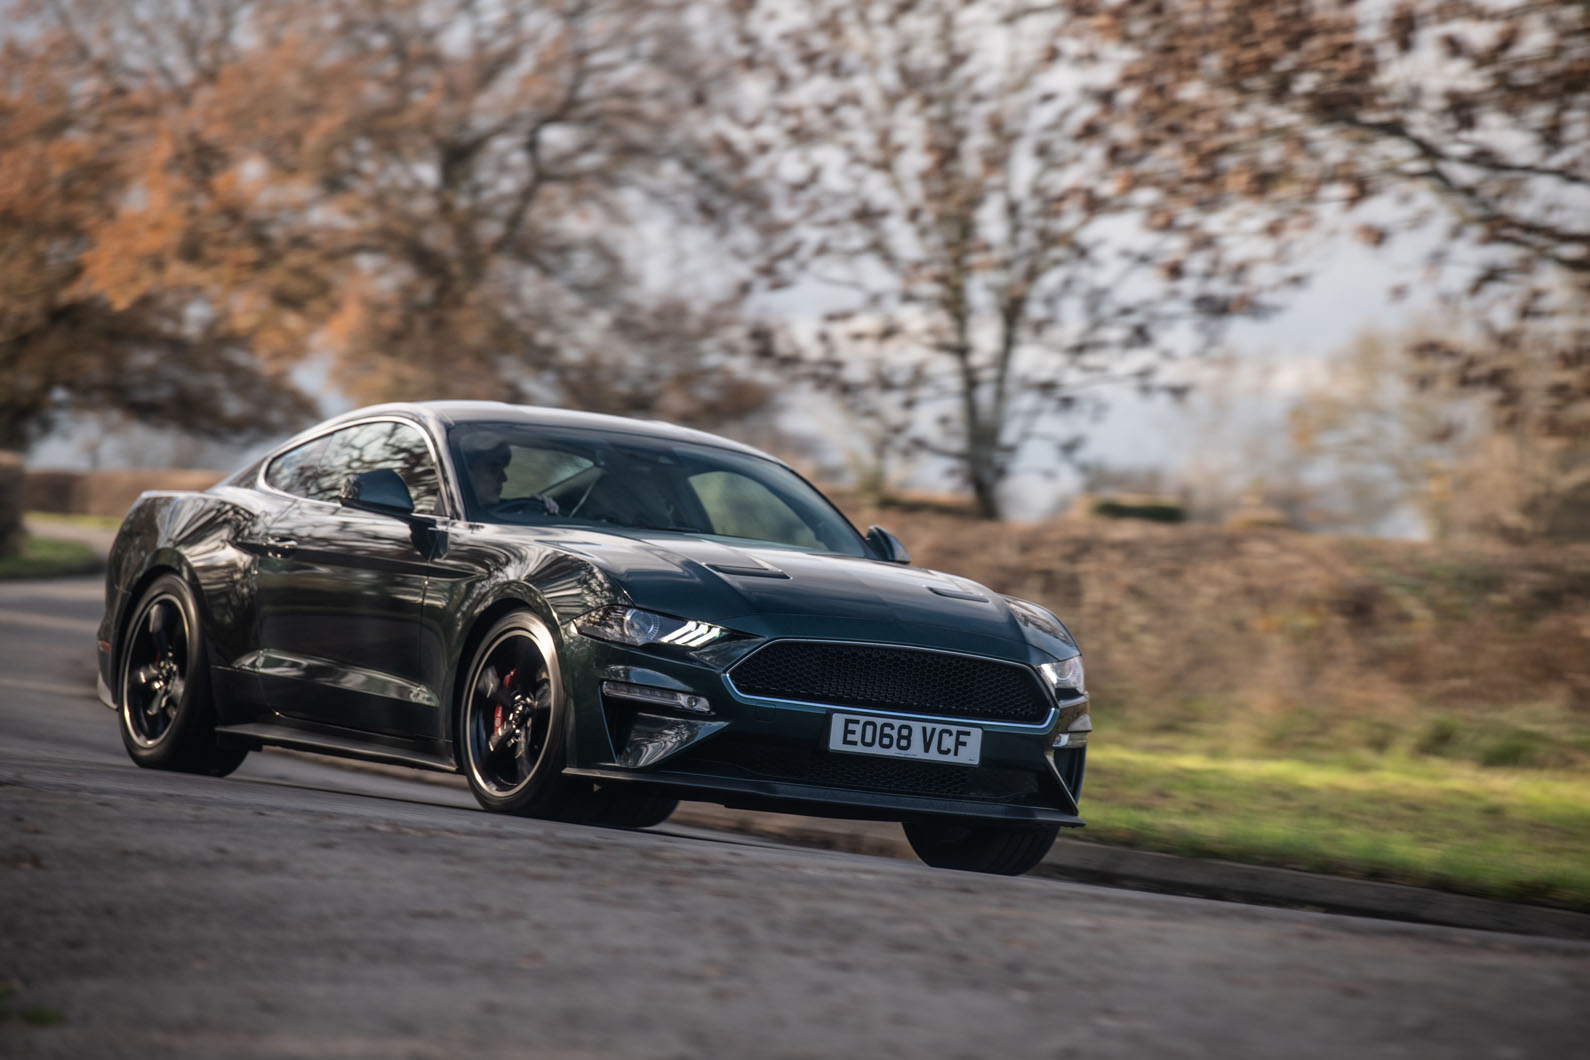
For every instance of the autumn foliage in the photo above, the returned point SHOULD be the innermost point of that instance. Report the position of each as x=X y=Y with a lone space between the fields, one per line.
x=434 y=199
x=68 y=161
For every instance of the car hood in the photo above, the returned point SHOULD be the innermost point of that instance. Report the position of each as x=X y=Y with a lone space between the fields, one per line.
x=768 y=592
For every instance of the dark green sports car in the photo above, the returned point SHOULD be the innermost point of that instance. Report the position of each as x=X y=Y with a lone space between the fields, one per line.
x=590 y=618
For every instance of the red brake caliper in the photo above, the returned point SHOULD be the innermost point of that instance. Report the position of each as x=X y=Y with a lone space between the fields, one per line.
x=507 y=686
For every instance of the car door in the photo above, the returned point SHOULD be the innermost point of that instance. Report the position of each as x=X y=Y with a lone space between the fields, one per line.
x=340 y=590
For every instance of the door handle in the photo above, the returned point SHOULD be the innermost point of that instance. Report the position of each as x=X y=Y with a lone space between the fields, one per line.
x=279 y=546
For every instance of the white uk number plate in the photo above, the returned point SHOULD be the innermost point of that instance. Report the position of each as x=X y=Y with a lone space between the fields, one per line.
x=928 y=740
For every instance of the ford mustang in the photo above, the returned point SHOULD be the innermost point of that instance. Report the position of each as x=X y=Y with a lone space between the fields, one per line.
x=590 y=618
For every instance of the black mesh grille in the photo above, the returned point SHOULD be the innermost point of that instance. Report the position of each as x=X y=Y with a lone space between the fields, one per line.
x=774 y=761
x=909 y=680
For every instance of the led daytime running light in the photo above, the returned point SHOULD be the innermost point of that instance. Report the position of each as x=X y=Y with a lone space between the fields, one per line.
x=637 y=627
x=692 y=635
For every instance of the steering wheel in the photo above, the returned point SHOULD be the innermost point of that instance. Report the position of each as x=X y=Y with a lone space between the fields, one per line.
x=535 y=504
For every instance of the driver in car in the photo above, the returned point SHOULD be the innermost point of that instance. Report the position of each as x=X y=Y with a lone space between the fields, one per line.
x=486 y=459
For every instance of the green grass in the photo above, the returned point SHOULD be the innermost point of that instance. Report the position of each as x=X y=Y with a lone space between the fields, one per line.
x=42 y=1016
x=49 y=557
x=1514 y=835
x=32 y=1015
x=1512 y=735
x=93 y=522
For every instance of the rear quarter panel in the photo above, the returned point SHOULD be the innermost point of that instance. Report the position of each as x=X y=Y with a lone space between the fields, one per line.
x=206 y=538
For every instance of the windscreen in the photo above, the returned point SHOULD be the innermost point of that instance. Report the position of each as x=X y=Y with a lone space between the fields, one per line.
x=525 y=474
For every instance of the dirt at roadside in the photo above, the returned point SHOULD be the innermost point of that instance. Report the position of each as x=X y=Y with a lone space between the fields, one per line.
x=1295 y=643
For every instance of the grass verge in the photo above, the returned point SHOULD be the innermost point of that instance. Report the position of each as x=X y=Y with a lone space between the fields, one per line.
x=91 y=522
x=1513 y=835
x=49 y=557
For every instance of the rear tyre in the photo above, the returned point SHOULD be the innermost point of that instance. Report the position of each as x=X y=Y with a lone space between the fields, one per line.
x=998 y=849
x=512 y=721
x=167 y=711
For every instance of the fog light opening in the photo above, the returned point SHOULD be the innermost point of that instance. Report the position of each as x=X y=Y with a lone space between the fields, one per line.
x=662 y=696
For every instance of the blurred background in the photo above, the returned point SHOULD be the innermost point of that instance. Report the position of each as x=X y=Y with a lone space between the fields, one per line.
x=1251 y=336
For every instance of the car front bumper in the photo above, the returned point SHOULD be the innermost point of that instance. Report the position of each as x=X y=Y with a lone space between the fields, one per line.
x=756 y=753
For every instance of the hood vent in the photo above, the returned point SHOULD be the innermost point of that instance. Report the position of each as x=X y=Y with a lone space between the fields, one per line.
x=957 y=594
x=747 y=572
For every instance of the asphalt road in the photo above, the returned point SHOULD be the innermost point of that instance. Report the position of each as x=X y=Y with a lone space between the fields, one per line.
x=301 y=909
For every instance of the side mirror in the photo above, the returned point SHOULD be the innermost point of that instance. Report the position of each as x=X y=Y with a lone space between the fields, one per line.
x=381 y=491
x=886 y=545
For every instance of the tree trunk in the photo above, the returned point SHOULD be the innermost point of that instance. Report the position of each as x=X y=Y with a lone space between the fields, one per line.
x=985 y=492
x=11 y=532
x=17 y=422
x=982 y=470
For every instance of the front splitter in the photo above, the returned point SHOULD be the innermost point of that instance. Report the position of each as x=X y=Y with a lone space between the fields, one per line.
x=806 y=798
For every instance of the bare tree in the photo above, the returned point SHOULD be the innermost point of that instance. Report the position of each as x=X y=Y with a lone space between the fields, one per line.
x=1380 y=445
x=971 y=180
x=1385 y=434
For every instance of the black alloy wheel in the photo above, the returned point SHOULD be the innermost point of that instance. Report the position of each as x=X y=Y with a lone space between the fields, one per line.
x=997 y=849
x=167 y=713
x=512 y=720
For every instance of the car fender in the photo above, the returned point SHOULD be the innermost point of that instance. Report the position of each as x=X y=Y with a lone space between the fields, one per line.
x=494 y=598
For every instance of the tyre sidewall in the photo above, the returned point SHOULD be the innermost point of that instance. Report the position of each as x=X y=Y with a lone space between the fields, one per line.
x=626 y=806
x=541 y=795
x=192 y=731
x=997 y=849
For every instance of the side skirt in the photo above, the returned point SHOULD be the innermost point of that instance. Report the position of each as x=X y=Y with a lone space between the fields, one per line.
x=260 y=734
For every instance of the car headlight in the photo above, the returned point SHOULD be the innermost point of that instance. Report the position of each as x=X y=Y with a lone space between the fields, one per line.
x=636 y=627
x=1065 y=677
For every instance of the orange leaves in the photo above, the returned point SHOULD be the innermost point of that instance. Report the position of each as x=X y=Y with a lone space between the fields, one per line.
x=352 y=317
x=399 y=184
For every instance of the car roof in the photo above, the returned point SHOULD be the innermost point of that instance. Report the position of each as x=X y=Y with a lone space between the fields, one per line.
x=441 y=415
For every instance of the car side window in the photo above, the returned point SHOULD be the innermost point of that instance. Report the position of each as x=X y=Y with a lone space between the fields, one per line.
x=294 y=471
x=375 y=446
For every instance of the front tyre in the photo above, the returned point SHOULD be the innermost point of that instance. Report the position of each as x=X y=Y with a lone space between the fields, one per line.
x=626 y=806
x=513 y=720
x=167 y=712
x=998 y=849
